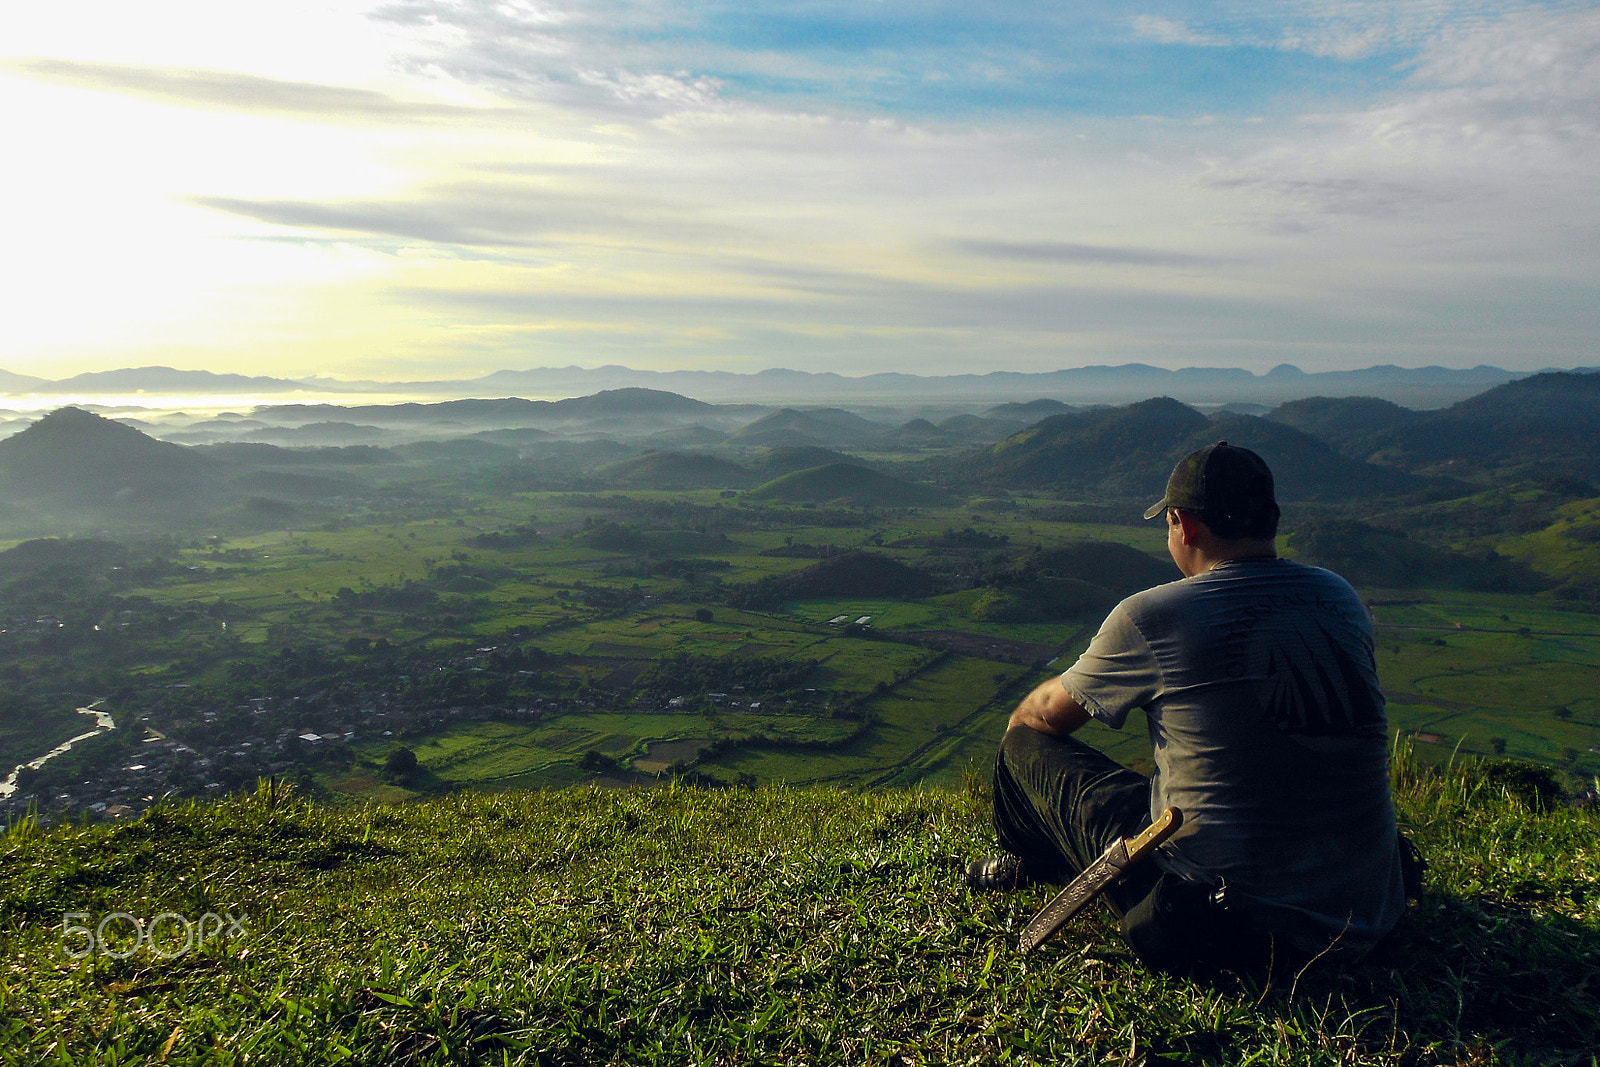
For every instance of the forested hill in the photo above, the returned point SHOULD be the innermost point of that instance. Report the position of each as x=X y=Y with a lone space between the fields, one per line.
x=1129 y=451
x=1546 y=424
x=83 y=462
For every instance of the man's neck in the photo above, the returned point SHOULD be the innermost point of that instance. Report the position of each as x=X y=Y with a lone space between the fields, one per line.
x=1210 y=555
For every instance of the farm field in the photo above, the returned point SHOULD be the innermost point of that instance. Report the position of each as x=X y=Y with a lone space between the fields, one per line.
x=532 y=641
x=1494 y=674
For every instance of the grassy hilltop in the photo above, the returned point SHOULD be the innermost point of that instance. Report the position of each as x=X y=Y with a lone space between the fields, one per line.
x=773 y=925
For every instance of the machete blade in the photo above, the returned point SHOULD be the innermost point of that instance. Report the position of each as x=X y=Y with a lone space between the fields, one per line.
x=1112 y=866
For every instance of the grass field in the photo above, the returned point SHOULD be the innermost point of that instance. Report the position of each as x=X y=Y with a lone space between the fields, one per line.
x=921 y=723
x=773 y=926
x=1467 y=669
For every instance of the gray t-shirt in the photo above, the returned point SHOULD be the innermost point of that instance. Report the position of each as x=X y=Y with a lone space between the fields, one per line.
x=1258 y=682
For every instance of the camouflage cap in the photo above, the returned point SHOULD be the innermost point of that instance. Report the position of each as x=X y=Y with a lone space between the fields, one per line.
x=1222 y=479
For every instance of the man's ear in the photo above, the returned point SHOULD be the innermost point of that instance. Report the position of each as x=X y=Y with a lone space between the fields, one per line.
x=1190 y=523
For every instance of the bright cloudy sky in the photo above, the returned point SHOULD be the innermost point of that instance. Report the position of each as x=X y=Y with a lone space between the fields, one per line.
x=442 y=188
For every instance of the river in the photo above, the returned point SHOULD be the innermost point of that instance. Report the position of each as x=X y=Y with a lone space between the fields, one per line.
x=102 y=721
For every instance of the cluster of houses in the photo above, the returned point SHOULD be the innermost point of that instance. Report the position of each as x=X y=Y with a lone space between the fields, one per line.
x=165 y=766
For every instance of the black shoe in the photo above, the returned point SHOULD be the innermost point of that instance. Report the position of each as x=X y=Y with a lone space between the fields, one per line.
x=997 y=874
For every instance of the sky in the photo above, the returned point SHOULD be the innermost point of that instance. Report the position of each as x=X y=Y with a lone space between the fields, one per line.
x=425 y=189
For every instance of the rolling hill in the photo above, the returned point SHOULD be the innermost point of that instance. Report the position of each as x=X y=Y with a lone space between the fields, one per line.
x=1371 y=556
x=677 y=470
x=849 y=483
x=1128 y=453
x=1078 y=580
x=1109 y=447
x=76 y=462
x=814 y=426
x=632 y=402
x=1303 y=467
x=974 y=429
x=850 y=574
x=918 y=433
x=1547 y=423
x=1018 y=413
x=317 y=433
x=691 y=436
x=1348 y=423
x=779 y=461
x=1119 y=568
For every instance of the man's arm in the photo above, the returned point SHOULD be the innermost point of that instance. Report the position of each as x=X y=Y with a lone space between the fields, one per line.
x=1050 y=709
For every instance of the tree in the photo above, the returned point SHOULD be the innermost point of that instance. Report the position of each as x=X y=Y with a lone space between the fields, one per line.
x=401 y=764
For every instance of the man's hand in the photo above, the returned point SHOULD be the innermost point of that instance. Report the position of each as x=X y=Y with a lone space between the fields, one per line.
x=1050 y=709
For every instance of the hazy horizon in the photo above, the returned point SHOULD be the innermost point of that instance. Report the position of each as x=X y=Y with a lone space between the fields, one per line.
x=429 y=190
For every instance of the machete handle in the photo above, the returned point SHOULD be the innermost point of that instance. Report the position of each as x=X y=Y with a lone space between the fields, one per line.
x=1158 y=831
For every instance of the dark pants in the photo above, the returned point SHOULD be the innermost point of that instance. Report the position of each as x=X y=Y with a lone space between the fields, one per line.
x=1059 y=803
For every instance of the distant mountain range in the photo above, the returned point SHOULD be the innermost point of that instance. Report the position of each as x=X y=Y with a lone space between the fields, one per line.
x=503 y=413
x=1421 y=387
x=296 y=462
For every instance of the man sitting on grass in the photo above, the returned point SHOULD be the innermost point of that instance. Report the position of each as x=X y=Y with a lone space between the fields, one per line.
x=1257 y=678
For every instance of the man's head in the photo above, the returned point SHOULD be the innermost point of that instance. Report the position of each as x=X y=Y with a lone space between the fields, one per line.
x=1228 y=488
x=1219 y=504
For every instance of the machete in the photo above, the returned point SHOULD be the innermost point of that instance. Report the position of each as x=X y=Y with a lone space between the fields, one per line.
x=1112 y=866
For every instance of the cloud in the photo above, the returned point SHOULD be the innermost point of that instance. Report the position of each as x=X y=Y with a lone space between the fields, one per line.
x=1000 y=184
x=1346 y=43
x=1490 y=143
x=1065 y=253
x=488 y=215
x=1168 y=31
x=372 y=219
x=931 y=59
x=1362 y=197
x=865 y=305
x=680 y=88
x=233 y=91
x=1533 y=56
x=1347 y=31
